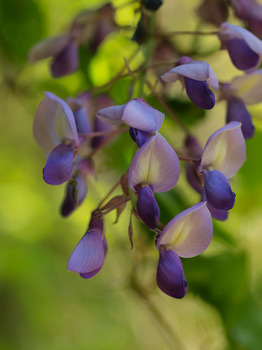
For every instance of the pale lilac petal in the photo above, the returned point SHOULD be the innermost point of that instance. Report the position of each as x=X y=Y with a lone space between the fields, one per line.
x=189 y=233
x=155 y=164
x=139 y=115
x=170 y=274
x=230 y=31
x=218 y=190
x=48 y=48
x=196 y=70
x=242 y=56
x=147 y=207
x=199 y=93
x=237 y=111
x=66 y=61
x=225 y=150
x=140 y=137
x=248 y=87
x=59 y=165
x=88 y=256
x=111 y=115
x=54 y=122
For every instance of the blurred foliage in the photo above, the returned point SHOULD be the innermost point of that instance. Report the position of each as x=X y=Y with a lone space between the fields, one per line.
x=43 y=306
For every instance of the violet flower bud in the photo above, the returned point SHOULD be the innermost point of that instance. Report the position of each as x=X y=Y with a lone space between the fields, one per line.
x=88 y=256
x=170 y=274
x=147 y=207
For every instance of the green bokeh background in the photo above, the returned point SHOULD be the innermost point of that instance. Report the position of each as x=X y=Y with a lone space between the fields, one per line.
x=44 y=306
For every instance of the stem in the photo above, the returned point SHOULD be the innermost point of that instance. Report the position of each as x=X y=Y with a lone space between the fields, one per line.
x=188 y=159
x=109 y=193
x=167 y=108
x=119 y=75
x=94 y=151
x=186 y=32
x=162 y=325
x=118 y=205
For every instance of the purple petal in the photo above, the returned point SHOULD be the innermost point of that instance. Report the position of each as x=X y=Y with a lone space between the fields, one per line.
x=170 y=274
x=199 y=93
x=196 y=70
x=225 y=150
x=99 y=125
x=66 y=61
x=88 y=256
x=193 y=178
x=82 y=120
x=140 y=137
x=48 y=48
x=213 y=11
x=237 y=111
x=241 y=55
x=218 y=190
x=90 y=274
x=139 y=115
x=193 y=147
x=155 y=164
x=54 y=122
x=189 y=233
x=59 y=165
x=147 y=207
x=230 y=31
x=70 y=204
x=221 y=215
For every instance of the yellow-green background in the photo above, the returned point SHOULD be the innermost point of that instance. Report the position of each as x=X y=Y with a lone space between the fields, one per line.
x=44 y=306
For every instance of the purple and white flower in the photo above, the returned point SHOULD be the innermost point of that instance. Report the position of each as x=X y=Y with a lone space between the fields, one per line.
x=196 y=77
x=154 y=168
x=186 y=236
x=244 y=48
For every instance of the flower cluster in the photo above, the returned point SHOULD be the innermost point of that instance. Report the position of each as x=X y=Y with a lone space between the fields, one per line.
x=70 y=132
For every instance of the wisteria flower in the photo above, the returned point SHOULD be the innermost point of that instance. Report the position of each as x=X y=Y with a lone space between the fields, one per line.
x=64 y=52
x=223 y=155
x=76 y=189
x=90 y=27
x=135 y=113
x=251 y=12
x=241 y=91
x=55 y=131
x=213 y=11
x=244 y=48
x=196 y=76
x=154 y=168
x=186 y=236
x=88 y=256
